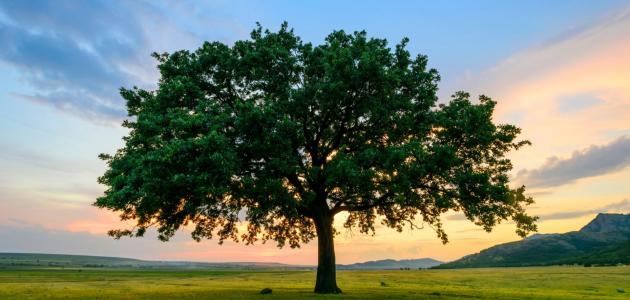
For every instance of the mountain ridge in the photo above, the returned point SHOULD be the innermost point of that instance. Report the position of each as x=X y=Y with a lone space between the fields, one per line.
x=387 y=264
x=95 y=261
x=608 y=223
x=604 y=240
x=72 y=260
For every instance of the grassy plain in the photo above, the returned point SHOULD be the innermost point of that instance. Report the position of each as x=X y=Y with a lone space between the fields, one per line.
x=496 y=283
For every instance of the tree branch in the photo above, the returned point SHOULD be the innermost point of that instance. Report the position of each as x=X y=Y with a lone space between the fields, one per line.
x=381 y=201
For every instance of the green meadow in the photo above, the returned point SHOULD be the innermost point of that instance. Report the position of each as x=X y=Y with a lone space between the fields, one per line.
x=491 y=283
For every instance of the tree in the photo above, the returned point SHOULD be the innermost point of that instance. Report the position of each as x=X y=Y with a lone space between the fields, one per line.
x=283 y=135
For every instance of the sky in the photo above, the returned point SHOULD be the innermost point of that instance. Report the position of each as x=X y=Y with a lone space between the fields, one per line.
x=560 y=70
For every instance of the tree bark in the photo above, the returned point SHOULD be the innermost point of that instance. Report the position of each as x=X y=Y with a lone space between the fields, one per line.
x=326 y=282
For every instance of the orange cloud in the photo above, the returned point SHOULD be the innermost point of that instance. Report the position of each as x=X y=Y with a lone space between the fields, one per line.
x=99 y=222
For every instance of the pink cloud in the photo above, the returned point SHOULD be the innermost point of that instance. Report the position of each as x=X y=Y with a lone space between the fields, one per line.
x=99 y=222
x=535 y=88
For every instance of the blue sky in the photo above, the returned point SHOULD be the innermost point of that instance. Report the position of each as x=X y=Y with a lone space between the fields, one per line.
x=62 y=63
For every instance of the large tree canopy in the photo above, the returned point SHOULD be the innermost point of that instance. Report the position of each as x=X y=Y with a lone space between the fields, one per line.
x=283 y=135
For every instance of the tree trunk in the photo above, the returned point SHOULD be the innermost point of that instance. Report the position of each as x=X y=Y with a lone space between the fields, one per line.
x=326 y=275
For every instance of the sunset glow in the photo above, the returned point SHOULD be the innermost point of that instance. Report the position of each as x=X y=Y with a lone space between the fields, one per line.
x=565 y=82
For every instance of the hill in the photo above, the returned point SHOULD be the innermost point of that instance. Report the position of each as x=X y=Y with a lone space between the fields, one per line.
x=76 y=261
x=605 y=240
x=390 y=264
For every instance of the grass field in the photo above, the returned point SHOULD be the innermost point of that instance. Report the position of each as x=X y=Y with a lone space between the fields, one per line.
x=506 y=283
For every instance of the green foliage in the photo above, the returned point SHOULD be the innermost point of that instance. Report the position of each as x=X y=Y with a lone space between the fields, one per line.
x=278 y=133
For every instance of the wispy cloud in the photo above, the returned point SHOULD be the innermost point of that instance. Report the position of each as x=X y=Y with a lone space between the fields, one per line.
x=67 y=52
x=592 y=161
x=26 y=237
x=573 y=103
x=456 y=217
x=22 y=236
x=76 y=55
x=621 y=206
x=566 y=93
